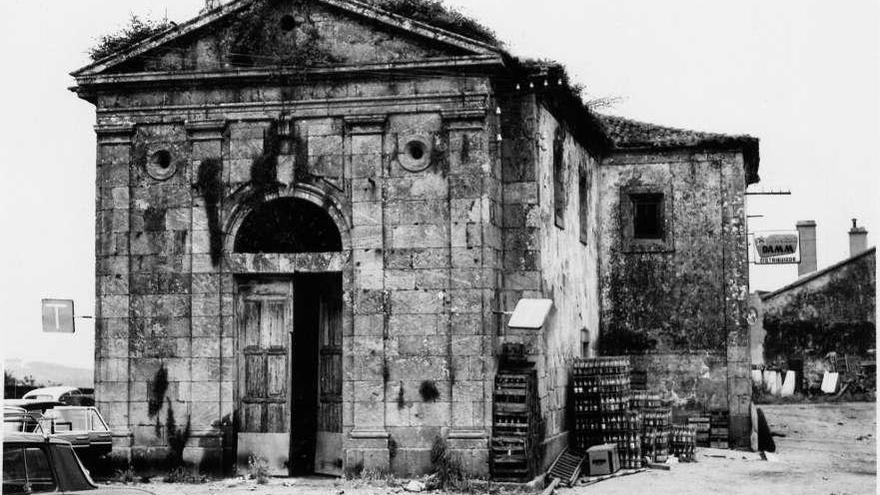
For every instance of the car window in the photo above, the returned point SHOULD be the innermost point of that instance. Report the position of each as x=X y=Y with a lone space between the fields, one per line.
x=13 y=425
x=71 y=474
x=97 y=422
x=39 y=471
x=14 y=478
x=69 y=419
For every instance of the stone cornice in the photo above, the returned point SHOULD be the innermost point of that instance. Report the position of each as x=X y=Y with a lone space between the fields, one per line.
x=205 y=130
x=343 y=107
x=86 y=83
x=467 y=119
x=114 y=133
x=366 y=124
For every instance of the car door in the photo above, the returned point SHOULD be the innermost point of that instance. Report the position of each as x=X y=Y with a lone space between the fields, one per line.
x=27 y=469
x=100 y=441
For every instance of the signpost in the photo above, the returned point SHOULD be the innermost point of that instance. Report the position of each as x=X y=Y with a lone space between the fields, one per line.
x=58 y=316
x=776 y=248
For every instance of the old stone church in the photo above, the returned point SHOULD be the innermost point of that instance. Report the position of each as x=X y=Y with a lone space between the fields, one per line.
x=315 y=217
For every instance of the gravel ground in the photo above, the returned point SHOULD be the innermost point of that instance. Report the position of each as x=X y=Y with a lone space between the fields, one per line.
x=828 y=449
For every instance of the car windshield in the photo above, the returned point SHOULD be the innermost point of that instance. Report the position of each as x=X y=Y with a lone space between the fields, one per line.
x=69 y=419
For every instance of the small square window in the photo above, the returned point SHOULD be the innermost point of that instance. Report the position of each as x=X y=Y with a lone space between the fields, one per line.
x=648 y=216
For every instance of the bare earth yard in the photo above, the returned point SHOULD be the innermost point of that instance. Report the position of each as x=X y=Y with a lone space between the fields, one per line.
x=828 y=449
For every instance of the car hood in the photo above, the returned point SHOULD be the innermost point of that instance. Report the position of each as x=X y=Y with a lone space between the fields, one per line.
x=113 y=490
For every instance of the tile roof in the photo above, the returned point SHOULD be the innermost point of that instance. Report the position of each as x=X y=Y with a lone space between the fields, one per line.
x=632 y=134
x=626 y=133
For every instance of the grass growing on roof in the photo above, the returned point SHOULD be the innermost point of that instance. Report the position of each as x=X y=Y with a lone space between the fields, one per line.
x=436 y=13
x=138 y=29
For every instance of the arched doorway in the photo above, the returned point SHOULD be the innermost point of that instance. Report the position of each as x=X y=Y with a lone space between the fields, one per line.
x=289 y=334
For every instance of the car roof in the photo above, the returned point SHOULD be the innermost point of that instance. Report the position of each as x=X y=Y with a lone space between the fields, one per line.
x=32 y=404
x=15 y=437
x=51 y=390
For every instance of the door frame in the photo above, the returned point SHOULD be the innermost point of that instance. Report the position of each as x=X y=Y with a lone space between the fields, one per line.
x=246 y=279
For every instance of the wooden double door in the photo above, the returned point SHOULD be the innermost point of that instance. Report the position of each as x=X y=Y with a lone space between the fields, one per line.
x=290 y=373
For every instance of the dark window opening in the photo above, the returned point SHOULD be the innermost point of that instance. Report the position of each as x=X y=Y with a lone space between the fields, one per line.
x=416 y=150
x=648 y=216
x=559 y=177
x=288 y=225
x=584 y=204
x=161 y=159
x=288 y=23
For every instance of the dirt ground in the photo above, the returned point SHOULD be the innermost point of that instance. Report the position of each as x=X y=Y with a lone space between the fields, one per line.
x=828 y=449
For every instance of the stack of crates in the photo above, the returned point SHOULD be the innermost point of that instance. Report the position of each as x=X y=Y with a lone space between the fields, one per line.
x=701 y=425
x=719 y=429
x=516 y=427
x=656 y=429
x=684 y=442
x=601 y=393
x=642 y=399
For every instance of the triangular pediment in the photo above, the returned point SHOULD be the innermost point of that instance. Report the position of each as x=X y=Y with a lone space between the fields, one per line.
x=246 y=34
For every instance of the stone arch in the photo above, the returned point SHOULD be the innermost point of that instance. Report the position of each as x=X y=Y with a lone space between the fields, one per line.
x=315 y=196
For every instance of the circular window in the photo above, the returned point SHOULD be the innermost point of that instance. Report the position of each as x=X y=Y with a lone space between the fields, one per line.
x=161 y=166
x=416 y=154
x=415 y=150
x=288 y=23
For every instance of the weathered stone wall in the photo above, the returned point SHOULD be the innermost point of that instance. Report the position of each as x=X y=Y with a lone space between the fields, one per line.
x=681 y=307
x=834 y=311
x=421 y=258
x=546 y=260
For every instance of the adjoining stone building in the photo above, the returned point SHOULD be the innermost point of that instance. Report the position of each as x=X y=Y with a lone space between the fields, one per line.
x=314 y=218
x=824 y=313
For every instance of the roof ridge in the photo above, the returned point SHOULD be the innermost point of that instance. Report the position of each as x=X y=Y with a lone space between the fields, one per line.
x=818 y=273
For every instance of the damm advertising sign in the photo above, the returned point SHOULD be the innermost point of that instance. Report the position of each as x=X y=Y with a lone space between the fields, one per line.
x=776 y=248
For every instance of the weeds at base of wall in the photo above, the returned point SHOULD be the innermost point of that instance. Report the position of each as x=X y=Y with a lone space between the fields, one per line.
x=446 y=466
x=354 y=471
x=188 y=476
x=125 y=476
x=258 y=469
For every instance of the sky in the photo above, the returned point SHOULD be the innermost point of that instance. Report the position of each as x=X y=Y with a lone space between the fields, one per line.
x=803 y=76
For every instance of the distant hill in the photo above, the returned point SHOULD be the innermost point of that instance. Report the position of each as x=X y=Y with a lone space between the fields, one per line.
x=51 y=374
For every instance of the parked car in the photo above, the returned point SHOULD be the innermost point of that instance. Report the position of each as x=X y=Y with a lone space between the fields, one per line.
x=36 y=464
x=19 y=420
x=83 y=427
x=71 y=396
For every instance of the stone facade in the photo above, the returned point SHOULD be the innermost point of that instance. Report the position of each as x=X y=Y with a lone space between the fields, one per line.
x=678 y=304
x=450 y=193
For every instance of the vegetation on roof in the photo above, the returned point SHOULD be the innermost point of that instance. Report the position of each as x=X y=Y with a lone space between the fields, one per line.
x=436 y=13
x=564 y=99
x=138 y=29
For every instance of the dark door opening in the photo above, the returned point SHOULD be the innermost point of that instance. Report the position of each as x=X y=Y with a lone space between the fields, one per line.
x=316 y=367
